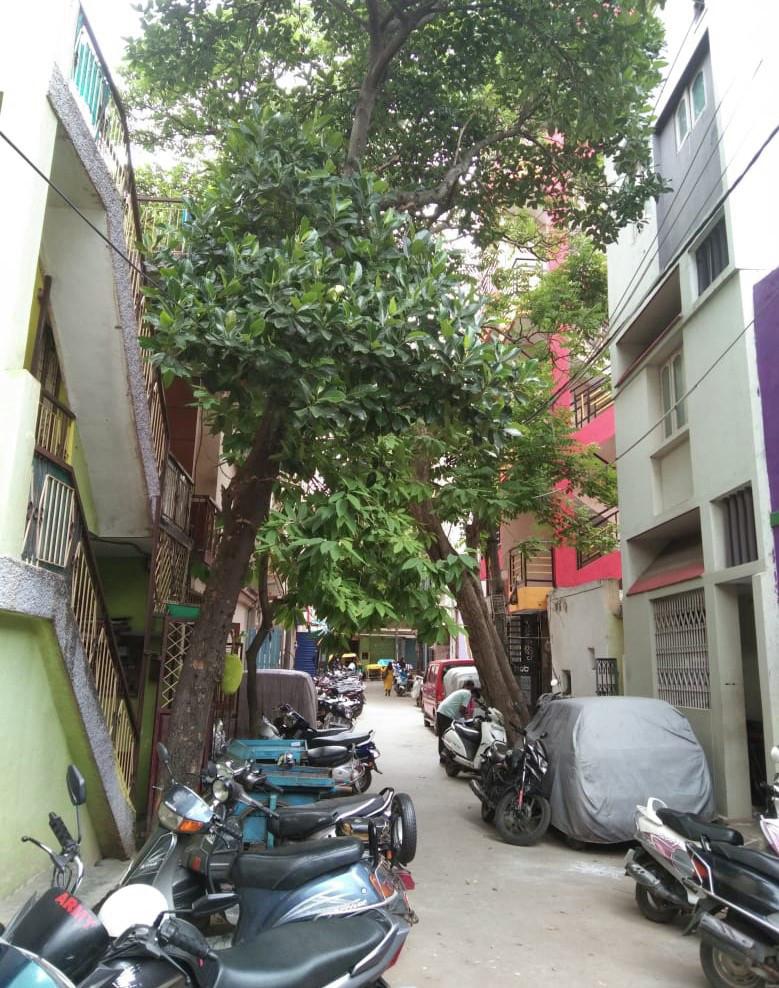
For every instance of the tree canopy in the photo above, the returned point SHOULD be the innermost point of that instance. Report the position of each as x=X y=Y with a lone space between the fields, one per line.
x=466 y=108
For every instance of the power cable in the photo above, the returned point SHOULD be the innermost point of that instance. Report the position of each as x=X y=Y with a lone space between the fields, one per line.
x=549 y=402
x=74 y=207
x=643 y=264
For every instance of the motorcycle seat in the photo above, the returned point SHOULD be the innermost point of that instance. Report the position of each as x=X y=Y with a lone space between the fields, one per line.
x=693 y=828
x=351 y=805
x=766 y=864
x=301 y=821
x=292 y=865
x=341 y=737
x=328 y=756
x=466 y=732
x=313 y=953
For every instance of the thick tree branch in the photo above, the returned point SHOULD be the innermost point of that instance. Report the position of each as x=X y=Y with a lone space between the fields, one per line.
x=443 y=192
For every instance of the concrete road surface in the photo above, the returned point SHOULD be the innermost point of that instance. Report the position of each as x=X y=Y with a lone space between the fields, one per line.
x=495 y=915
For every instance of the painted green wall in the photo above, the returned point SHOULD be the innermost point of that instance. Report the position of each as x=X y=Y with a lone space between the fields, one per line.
x=40 y=734
x=125 y=581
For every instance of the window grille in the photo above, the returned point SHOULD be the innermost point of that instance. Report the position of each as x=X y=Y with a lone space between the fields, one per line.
x=711 y=258
x=681 y=650
x=740 y=537
x=55 y=523
x=606 y=677
x=535 y=569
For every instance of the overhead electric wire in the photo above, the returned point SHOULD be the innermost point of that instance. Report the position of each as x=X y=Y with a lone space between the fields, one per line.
x=565 y=386
x=74 y=207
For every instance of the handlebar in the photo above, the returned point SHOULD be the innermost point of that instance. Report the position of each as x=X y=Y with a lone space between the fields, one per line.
x=186 y=938
x=61 y=832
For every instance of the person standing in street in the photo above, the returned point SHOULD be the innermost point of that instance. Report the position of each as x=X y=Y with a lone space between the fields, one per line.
x=388 y=678
x=452 y=706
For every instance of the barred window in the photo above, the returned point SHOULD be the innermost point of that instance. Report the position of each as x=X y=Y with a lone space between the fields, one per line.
x=740 y=536
x=711 y=258
x=681 y=650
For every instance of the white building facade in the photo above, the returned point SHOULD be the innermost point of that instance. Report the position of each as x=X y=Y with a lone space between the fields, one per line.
x=701 y=623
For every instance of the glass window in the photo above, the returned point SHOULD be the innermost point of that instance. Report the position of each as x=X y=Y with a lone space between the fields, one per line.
x=671 y=390
x=711 y=258
x=698 y=95
x=682 y=121
x=665 y=382
x=678 y=382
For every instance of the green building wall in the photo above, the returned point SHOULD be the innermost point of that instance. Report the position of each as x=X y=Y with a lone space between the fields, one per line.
x=40 y=734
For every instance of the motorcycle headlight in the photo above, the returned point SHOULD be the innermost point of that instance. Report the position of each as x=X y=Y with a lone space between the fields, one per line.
x=169 y=818
x=221 y=790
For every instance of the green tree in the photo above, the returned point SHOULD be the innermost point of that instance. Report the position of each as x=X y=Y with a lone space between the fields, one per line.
x=309 y=312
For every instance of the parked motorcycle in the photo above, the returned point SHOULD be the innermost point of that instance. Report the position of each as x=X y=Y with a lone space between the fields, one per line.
x=466 y=741
x=510 y=789
x=401 y=681
x=392 y=814
x=737 y=914
x=171 y=953
x=661 y=866
x=197 y=848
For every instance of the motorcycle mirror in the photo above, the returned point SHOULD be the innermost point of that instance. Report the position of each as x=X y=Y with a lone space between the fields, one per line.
x=775 y=754
x=163 y=754
x=77 y=787
x=216 y=902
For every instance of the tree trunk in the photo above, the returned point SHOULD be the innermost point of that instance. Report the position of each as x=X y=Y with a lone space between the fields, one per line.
x=246 y=507
x=497 y=679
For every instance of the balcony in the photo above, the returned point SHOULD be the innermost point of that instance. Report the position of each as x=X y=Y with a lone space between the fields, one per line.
x=590 y=399
x=53 y=428
x=608 y=517
x=57 y=539
x=104 y=114
x=202 y=526
x=531 y=577
x=176 y=494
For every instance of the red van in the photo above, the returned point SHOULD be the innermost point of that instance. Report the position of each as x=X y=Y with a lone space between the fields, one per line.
x=433 y=686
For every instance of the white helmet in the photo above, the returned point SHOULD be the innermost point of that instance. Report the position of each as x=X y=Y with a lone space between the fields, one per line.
x=133 y=905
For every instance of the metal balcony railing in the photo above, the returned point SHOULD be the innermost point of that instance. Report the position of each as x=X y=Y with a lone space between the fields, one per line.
x=591 y=399
x=531 y=569
x=608 y=517
x=177 y=494
x=57 y=539
x=161 y=218
x=104 y=113
x=202 y=526
x=52 y=430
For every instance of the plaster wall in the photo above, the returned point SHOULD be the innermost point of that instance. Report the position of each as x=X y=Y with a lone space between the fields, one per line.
x=36 y=717
x=585 y=623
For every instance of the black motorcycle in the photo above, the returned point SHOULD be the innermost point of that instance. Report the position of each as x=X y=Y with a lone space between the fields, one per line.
x=510 y=789
x=737 y=915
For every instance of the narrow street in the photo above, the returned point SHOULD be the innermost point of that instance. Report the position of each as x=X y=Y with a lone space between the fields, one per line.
x=546 y=915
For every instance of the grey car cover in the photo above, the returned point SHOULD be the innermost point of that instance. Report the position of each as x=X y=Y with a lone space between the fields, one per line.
x=607 y=754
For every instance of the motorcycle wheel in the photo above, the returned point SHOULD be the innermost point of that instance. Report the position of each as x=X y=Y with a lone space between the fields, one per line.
x=404 y=828
x=726 y=971
x=654 y=908
x=522 y=827
x=363 y=784
x=487 y=813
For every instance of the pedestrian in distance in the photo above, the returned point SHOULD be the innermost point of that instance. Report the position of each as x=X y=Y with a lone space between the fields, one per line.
x=388 y=678
x=452 y=706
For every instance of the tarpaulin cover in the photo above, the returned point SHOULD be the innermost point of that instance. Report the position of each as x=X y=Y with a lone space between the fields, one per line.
x=608 y=754
x=456 y=678
x=276 y=686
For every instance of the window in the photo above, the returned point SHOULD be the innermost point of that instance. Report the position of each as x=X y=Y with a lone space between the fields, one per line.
x=671 y=392
x=711 y=258
x=690 y=107
x=681 y=650
x=682 y=118
x=698 y=95
x=740 y=537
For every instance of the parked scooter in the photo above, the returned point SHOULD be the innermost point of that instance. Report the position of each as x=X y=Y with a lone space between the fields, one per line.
x=466 y=741
x=737 y=914
x=171 y=953
x=400 y=681
x=661 y=866
x=311 y=879
x=510 y=788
